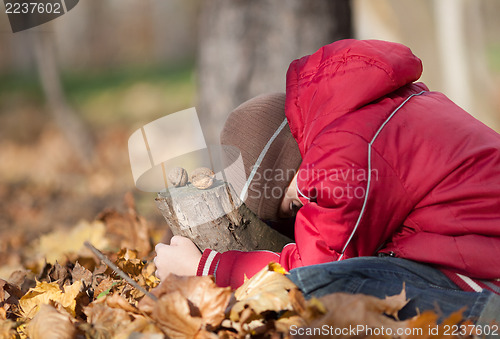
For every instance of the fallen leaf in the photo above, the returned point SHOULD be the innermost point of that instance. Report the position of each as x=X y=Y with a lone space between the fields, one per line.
x=117 y=301
x=140 y=328
x=7 y=329
x=105 y=321
x=100 y=273
x=104 y=287
x=2 y=291
x=56 y=245
x=186 y=305
x=129 y=263
x=80 y=273
x=49 y=322
x=268 y=290
x=127 y=230
x=424 y=321
x=426 y=326
x=44 y=293
x=309 y=310
x=59 y=274
x=393 y=304
x=9 y=297
x=203 y=294
x=345 y=311
x=174 y=314
x=22 y=279
x=148 y=276
x=283 y=324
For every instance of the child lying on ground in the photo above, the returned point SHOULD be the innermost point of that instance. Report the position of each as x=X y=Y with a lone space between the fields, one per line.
x=397 y=185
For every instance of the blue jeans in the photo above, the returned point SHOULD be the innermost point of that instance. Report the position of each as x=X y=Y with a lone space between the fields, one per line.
x=426 y=287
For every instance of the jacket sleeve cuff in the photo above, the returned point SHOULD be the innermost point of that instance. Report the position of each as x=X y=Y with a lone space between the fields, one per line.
x=208 y=263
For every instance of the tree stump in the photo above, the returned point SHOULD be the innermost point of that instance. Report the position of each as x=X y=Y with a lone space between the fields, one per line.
x=216 y=219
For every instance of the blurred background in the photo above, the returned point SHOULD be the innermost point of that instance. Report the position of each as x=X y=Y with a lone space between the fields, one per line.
x=73 y=90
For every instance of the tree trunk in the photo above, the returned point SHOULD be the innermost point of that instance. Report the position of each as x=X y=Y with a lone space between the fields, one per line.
x=68 y=121
x=216 y=219
x=245 y=48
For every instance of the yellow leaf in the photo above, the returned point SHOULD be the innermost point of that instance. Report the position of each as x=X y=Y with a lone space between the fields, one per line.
x=275 y=267
x=44 y=293
x=56 y=245
x=129 y=263
x=266 y=279
x=268 y=290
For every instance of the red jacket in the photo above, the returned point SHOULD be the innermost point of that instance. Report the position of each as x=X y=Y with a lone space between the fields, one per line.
x=388 y=166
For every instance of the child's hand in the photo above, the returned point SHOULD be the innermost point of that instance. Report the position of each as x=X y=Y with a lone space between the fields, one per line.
x=181 y=257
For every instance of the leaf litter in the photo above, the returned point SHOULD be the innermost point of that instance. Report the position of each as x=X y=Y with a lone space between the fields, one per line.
x=66 y=292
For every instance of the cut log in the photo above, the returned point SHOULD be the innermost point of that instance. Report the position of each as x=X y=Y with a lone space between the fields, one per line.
x=216 y=219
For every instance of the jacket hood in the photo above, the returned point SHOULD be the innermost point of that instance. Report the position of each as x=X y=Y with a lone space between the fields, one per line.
x=340 y=78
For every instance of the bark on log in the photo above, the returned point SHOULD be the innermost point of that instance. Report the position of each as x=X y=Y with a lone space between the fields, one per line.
x=215 y=219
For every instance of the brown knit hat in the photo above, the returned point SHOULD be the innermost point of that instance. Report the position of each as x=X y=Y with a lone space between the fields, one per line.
x=258 y=131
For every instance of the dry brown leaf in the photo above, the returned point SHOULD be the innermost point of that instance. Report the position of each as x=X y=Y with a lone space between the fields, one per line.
x=2 y=291
x=202 y=293
x=51 y=323
x=393 y=304
x=268 y=290
x=308 y=310
x=7 y=330
x=140 y=328
x=80 y=273
x=350 y=310
x=59 y=274
x=425 y=321
x=106 y=321
x=104 y=286
x=127 y=230
x=283 y=324
x=23 y=280
x=227 y=334
x=203 y=334
x=44 y=293
x=130 y=293
x=174 y=315
x=179 y=318
x=117 y=301
x=454 y=318
x=9 y=298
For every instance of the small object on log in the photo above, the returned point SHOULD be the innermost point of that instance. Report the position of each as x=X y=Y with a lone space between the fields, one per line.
x=202 y=178
x=215 y=218
x=177 y=176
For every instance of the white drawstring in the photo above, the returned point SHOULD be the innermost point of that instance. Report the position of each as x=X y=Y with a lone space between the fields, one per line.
x=259 y=160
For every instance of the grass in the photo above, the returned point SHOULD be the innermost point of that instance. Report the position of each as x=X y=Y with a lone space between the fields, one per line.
x=88 y=83
x=126 y=95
